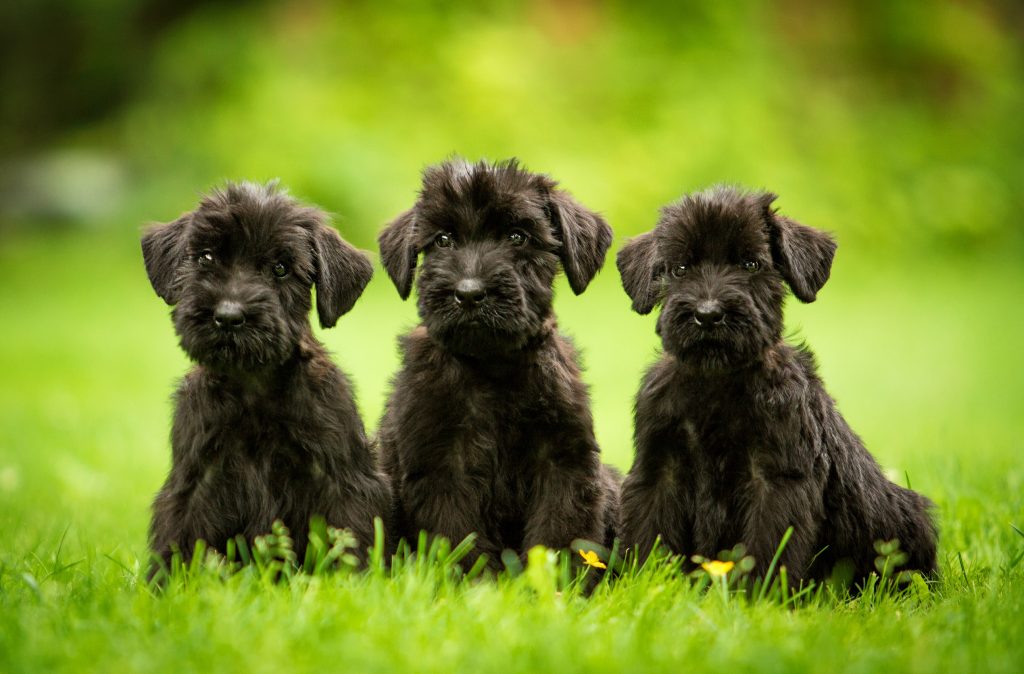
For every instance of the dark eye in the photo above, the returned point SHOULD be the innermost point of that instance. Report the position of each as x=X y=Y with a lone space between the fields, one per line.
x=679 y=270
x=518 y=237
x=751 y=265
x=444 y=240
x=204 y=258
x=280 y=270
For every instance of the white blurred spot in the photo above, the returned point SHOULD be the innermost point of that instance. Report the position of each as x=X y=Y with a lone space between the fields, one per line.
x=10 y=478
x=67 y=184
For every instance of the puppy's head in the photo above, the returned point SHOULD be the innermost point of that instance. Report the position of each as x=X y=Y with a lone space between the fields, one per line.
x=492 y=237
x=717 y=261
x=238 y=271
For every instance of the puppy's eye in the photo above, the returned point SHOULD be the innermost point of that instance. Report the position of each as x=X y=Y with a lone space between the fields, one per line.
x=679 y=270
x=751 y=265
x=444 y=240
x=204 y=258
x=518 y=237
x=280 y=270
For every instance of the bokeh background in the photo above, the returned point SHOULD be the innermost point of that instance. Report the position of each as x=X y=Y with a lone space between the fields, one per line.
x=895 y=124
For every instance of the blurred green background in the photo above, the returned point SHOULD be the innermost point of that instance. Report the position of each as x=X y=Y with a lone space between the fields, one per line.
x=894 y=124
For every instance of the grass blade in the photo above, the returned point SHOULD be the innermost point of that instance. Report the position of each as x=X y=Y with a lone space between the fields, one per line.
x=119 y=563
x=775 y=560
x=963 y=569
x=478 y=567
x=460 y=550
x=60 y=548
x=60 y=569
x=377 y=553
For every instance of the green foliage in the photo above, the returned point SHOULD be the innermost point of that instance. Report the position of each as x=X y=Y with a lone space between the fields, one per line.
x=896 y=140
x=894 y=124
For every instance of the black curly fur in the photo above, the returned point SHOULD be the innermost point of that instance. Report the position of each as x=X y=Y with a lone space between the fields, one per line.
x=736 y=437
x=488 y=428
x=265 y=425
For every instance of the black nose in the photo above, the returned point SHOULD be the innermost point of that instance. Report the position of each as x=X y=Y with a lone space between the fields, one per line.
x=229 y=315
x=709 y=312
x=470 y=292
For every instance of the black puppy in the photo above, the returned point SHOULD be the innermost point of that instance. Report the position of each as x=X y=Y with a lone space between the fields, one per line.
x=265 y=426
x=488 y=427
x=736 y=438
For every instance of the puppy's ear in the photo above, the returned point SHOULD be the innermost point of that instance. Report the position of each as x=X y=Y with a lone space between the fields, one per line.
x=163 y=247
x=802 y=254
x=342 y=273
x=585 y=239
x=641 y=271
x=398 y=251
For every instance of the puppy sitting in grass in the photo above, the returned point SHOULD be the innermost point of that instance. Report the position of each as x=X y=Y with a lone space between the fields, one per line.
x=488 y=427
x=736 y=438
x=265 y=425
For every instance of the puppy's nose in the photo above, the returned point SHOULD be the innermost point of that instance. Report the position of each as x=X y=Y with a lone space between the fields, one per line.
x=470 y=292
x=709 y=312
x=229 y=315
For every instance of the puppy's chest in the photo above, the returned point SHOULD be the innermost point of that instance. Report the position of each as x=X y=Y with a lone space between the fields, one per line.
x=717 y=424
x=268 y=439
x=508 y=425
x=496 y=457
x=726 y=448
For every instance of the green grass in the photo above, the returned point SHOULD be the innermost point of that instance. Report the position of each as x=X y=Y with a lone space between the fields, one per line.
x=924 y=358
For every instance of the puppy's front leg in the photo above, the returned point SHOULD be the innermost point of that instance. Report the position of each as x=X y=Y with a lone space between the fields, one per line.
x=448 y=505
x=176 y=526
x=657 y=495
x=774 y=506
x=651 y=509
x=567 y=502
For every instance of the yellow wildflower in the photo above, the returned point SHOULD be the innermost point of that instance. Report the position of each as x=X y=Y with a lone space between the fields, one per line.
x=717 y=568
x=590 y=559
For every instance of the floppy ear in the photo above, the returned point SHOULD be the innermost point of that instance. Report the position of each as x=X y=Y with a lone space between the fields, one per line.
x=641 y=272
x=342 y=273
x=585 y=239
x=163 y=246
x=802 y=254
x=398 y=251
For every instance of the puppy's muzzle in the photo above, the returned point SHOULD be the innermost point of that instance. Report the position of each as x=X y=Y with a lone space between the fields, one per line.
x=229 y=315
x=470 y=293
x=709 y=313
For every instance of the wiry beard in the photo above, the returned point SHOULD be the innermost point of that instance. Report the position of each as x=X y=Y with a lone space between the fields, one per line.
x=738 y=340
x=264 y=341
x=476 y=340
x=503 y=324
x=481 y=332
